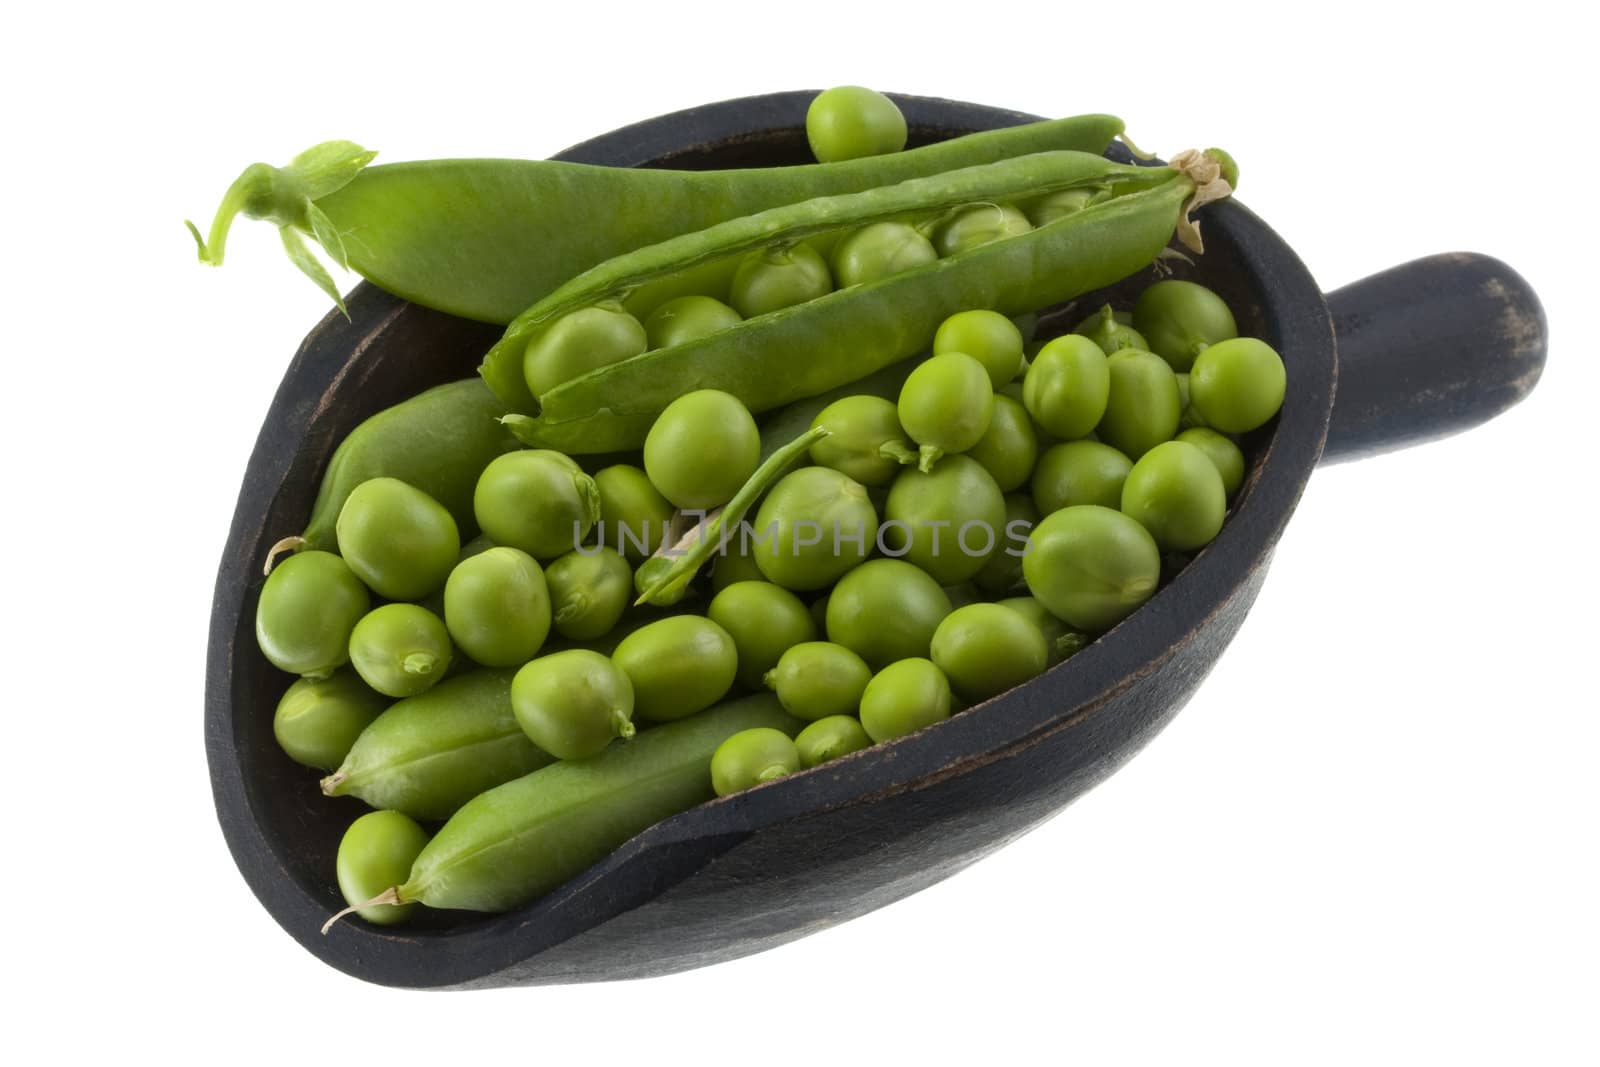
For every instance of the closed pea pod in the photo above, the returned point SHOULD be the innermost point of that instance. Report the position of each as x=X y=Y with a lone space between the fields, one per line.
x=307 y=609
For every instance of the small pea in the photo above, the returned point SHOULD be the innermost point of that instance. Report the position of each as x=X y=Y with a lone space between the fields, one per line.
x=1009 y=448
x=678 y=666
x=701 y=449
x=978 y=225
x=1181 y=319
x=589 y=591
x=853 y=122
x=375 y=854
x=886 y=610
x=400 y=649
x=1091 y=566
x=497 y=607
x=1176 y=493
x=829 y=738
x=818 y=679
x=580 y=342
x=904 y=697
x=945 y=405
x=1079 y=472
x=574 y=703
x=985 y=649
x=988 y=337
x=319 y=719
x=813 y=527
x=1067 y=386
x=1142 y=405
x=688 y=318
x=772 y=279
x=1223 y=454
x=536 y=500
x=308 y=606
x=1237 y=385
x=750 y=757
x=1111 y=330
x=879 y=250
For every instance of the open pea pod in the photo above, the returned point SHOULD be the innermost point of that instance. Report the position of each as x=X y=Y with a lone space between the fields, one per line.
x=772 y=359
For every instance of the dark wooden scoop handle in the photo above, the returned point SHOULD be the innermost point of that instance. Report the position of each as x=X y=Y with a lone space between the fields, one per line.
x=1428 y=349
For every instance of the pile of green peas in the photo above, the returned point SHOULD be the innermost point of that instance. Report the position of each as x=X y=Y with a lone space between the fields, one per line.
x=934 y=546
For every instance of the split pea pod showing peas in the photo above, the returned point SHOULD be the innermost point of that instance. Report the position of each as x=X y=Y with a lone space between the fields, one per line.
x=772 y=359
x=524 y=838
x=484 y=238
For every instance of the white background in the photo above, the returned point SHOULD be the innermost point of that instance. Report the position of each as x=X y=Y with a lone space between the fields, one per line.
x=1370 y=838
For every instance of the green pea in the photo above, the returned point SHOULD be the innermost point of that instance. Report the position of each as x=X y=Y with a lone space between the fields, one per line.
x=765 y=621
x=828 y=739
x=634 y=516
x=307 y=608
x=678 y=666
x=580 y=342
x=1009 y=447
x=318 y=719
x=946 y=521
x=1111 y=330
x=377 y=852
x=1091 y=566
x=985 y=649
x=701 y=449
x=1222 y=453
x=1002 y=571
x=772 y=279
x=1181 y=319
x=1176 y=493
x=978 y=225
x=852 y=122
x=1142 y=406
x=400 y=649
x=818 y=679
x=735 y=563
x=886 y=610
x=1061 y=640
x=589 y=591
x=497 y=607
x=1237 y=385
x=865 y=440
x=1079 y=472
x=904 y=697
x=815 y=525
x=1067 y=386
x=399 y=540
x=945 y=405
x=538 y=501
x=988 y=337
x=572 y=704
x=1043 y=210
x=879 y=250
x=750 y=757
x=688 y=318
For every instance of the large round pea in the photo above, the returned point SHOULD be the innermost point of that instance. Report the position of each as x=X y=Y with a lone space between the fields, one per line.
x=886 y=610
x=979 y=225
x=947 y=521
x=1066 y=386
x=688 y=318
x=307 y=608
x=985 y=649
x=580 y=342
x=1223 y=454
x=815 y=525
x=634 y=516
x=1180 y=320
x=817 y=679
x=1009 y=447
x=400 y=649
x=399 y=540
x=1002 y=571
x=497 y=607
x=829 y=738
x=988 y=337
x=771 y=279
x=1237 y=385
x=678 y=666
x=879 y=250
x=318 y=719
x=1142 y=406
x=589 y=591
x=765 y=621
x=1079 y=472
x=572 y=704
x=852 y=122
x=701 y=449
x=865 y=440
x=1111 y=330
x=945 y=405
x=750 y=757
x=1176 y=493
x=536 y=500
x=1091 y=566
x=375 y=854
x=904 y=697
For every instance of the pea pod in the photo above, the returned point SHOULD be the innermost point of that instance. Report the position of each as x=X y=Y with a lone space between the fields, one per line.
x=438 y=441
x=522 y=839
x=773 y=359
x=429 y=754
x=484 y=238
